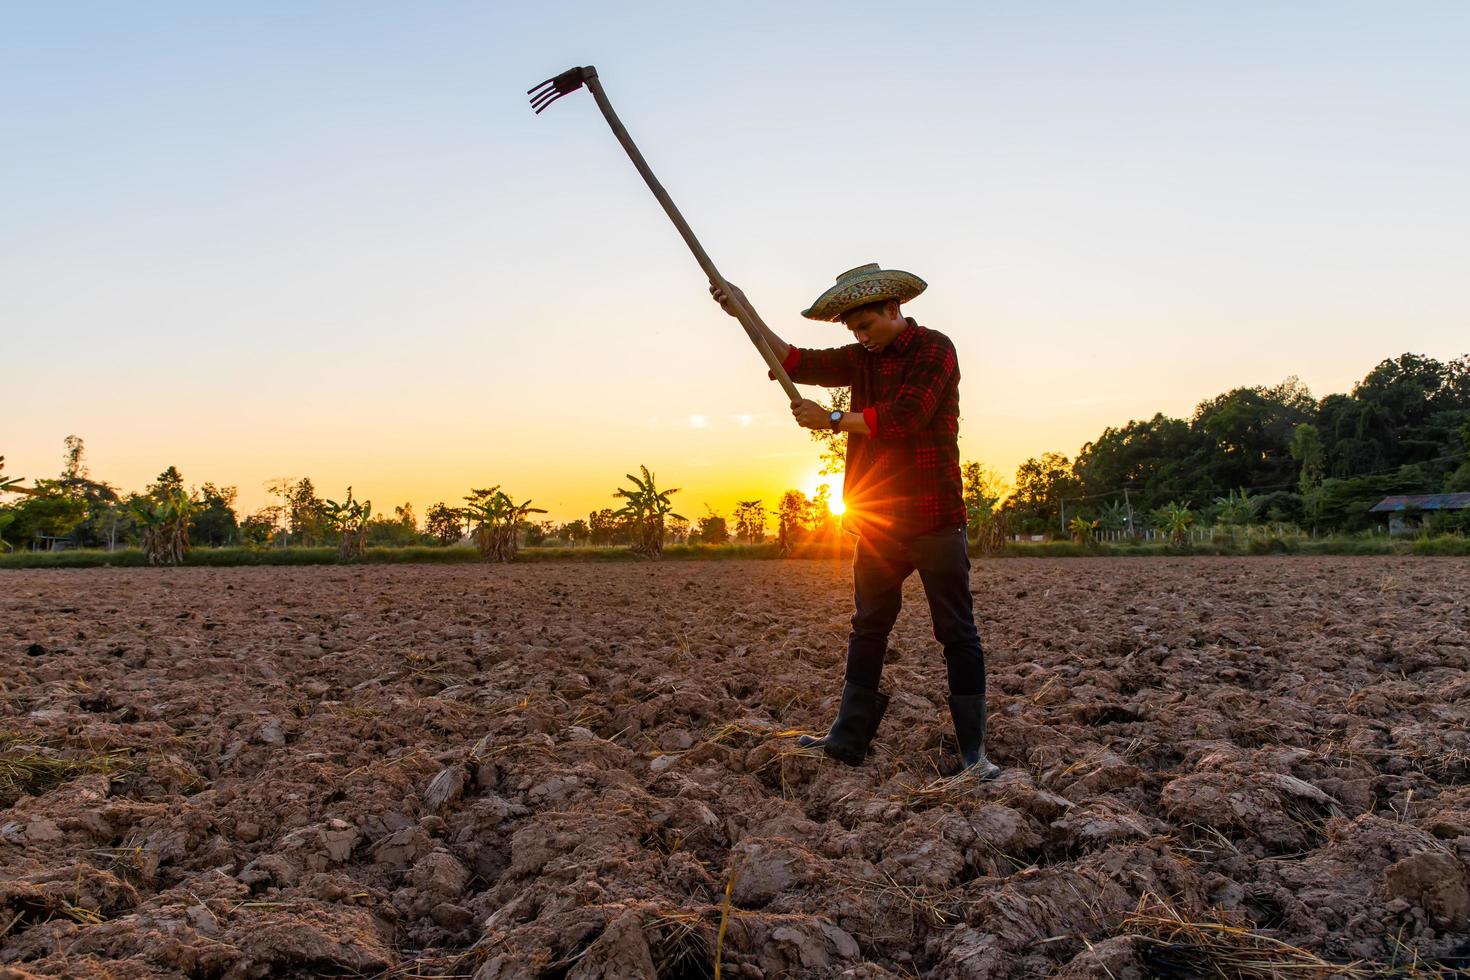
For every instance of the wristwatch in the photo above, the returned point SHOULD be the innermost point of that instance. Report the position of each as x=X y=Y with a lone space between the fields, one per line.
x=835 y=419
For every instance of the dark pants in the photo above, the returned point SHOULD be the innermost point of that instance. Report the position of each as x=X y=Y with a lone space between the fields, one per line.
x=942 y=560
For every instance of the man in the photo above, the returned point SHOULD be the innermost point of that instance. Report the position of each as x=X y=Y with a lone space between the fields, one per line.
x=901 y=487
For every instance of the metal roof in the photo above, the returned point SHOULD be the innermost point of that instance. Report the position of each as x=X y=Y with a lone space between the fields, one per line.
x=1423 y=501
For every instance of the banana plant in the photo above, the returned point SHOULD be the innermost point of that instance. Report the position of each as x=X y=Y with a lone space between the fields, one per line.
x=992 y=530
x=12 y=484
x=1114 y=516
x=495 y=516
x=165 y=520
x=1237 y=507
x=349 y=519
x=1176 y=518
x=647 y=507
x=1083 y=530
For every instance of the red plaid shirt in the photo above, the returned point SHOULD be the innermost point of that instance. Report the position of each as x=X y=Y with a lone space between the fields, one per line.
x=904 y=479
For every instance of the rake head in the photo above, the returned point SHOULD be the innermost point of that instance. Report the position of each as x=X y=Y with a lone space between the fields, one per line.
x=554 y=88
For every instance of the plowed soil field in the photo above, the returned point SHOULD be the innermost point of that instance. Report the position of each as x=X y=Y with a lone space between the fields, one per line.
x=586 y=770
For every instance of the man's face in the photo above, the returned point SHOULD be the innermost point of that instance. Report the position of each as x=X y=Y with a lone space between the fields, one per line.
x=875 y=329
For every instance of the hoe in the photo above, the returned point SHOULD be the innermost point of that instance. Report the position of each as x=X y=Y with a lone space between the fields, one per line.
x=574 y=78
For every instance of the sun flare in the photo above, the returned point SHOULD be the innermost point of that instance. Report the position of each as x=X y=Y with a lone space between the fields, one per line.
x=833 y=484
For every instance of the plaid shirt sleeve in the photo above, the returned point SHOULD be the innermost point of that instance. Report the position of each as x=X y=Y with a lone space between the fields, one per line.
x=833 y=367
x=910 y=410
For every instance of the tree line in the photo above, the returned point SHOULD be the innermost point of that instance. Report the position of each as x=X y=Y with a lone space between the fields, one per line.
x=166 y=518
x=1253 y=454
x=1266 y=453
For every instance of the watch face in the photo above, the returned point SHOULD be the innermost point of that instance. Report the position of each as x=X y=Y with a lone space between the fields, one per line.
x=835 y=417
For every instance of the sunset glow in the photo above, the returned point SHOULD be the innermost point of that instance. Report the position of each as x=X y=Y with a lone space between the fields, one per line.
x=814 y=484
x=388 y=273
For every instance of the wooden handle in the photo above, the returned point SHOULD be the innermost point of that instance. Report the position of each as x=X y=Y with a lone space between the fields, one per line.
x=747 y=320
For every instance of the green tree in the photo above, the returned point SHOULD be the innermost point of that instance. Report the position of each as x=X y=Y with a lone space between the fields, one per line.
x=578 y=531
x=170 y=481
x=48 y=511
x=256 y=530
x=606 y=527
x=214 y=522
x=1459 y=480
x=983 y=492
x=1243 y=436
x=790 y=517
x=833 y=444
x=750 y=521
x=102 y=508
x=398 y=531
x=1041 y=486
x=819 y=521
x=1306 y=448
x=1151 y=457
x=1344 y=504
x=74 y=467
x=444 y=524
x=713 y=528
x=305 y=514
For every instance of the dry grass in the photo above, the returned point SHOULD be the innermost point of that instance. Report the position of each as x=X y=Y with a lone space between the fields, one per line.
x=451 y=966
x=789 y=750
x=724 y=920
x=125 y=862
x=48 y=909
x=943 y=791
x=677 y=942
x=354 y=712
x=1209 y=948
x=934 y=908
x=681 y=641
x=733 y=734
x=30 y=766
x=1035 y=698
x=675 y=936
x=1438 y=762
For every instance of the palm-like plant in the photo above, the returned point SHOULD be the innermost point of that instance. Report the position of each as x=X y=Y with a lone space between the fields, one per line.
x=349 y=519
x=1237 y=507
x=1176 y=518
x=495 y=517
x=165 y=519
x=1114 y=516
x=1082 y=529
x=991 y=532
x=11 y=484
x=647 y=506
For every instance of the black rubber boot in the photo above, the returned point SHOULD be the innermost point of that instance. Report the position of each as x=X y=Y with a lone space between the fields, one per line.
x=968 y=712
x=857 y=722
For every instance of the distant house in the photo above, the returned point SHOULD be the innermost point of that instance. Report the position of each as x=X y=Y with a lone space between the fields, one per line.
x=1398 y=508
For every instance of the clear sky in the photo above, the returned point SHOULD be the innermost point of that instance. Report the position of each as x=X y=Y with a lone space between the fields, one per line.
x=330 y=239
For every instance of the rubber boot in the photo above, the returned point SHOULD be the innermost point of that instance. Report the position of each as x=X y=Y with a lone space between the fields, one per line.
x=968 y=712
x=857 y=722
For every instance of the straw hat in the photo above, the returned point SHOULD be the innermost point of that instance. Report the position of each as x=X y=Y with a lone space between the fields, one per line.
x=865 y=284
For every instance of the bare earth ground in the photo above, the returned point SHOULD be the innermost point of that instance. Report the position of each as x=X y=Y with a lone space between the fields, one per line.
x=556 y=770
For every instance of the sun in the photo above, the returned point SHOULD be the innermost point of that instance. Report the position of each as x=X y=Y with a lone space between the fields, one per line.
x=834 y=491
